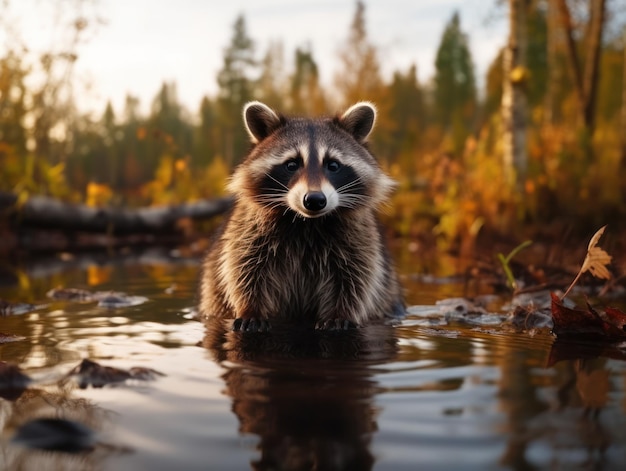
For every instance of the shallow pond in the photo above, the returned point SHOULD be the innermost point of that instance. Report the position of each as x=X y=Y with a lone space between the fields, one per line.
x=434 y=392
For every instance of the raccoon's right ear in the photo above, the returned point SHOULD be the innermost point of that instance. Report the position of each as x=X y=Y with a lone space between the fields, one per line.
x=260 y=120
x=358 y=120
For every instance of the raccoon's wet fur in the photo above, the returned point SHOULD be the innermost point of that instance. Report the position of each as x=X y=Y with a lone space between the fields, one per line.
x=302 y=243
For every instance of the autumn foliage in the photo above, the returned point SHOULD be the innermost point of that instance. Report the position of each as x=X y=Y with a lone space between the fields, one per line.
x=441 y=138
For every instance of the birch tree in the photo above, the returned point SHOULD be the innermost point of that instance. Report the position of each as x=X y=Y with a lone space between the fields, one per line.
x=514 y=101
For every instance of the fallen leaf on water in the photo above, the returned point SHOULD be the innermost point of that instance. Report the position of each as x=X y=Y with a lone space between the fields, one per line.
x=587 y=324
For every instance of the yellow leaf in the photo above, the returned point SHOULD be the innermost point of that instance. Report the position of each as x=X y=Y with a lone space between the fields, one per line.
x=597 y=259
x=519 y=75
x=595 y=262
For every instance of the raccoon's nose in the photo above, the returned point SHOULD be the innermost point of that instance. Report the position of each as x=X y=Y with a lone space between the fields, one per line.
x=315 y=200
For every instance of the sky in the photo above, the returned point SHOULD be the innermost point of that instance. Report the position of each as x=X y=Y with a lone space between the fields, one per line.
x=146 y=42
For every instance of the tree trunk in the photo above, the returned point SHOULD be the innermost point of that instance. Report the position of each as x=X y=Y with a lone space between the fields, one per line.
x=572 y=55
x=514 y=100
x=624 y=104
x=49 y=213
x=592 y=60
x=586 y=85
x=554 y=71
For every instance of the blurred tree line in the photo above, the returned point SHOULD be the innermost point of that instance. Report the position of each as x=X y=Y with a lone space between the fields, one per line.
x=443 y=139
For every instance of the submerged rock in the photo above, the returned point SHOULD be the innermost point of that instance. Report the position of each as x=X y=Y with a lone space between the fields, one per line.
x=113 y=300
x=12 y=381
x=70 y=294
x=8 y=308
x=106 y=299
x=457 y=310
x=90 y=373
x=55 y=435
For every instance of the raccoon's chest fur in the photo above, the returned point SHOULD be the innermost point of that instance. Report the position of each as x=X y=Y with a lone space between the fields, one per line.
x=299 y=269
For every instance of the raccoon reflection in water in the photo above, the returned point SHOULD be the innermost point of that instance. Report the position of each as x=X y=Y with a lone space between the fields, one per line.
x=302 y=243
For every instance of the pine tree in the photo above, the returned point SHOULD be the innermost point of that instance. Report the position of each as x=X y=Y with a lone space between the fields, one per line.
x=305 y=93
x=205 y=134
x=359 y=75
x=236 y=84
x=110 y=149
x=12 y=103
x=454 y=83
x=406 y=112
x=271 y=86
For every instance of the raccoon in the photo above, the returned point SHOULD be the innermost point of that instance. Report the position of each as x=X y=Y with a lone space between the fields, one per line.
x=302 y=243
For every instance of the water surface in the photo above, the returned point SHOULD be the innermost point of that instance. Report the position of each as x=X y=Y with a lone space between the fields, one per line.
x=431 y=393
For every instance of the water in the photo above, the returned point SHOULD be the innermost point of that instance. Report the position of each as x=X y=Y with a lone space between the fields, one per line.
x=427 y=394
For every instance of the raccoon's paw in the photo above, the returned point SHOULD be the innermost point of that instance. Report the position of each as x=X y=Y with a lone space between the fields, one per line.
x=252 y=324
x=335 y=324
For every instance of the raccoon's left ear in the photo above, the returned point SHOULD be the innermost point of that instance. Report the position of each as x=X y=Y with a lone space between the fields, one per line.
x=260 y=120
x=359 y=120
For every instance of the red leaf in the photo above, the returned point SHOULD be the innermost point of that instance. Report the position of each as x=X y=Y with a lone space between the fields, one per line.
x=616 y=317
x=587 y=324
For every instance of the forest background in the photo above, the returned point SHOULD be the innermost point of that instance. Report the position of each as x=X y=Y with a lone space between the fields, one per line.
x=540 y=150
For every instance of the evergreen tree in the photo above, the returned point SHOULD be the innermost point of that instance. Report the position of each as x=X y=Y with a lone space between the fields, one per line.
x=236 y=84
x=168 y=118
x=359 y=75
x=537 y=54
x=305 y=93
x=134 y=143
x=111 y=160
x=271 y=86
x=12 y=104
x=454 y=83
x=406 y=112
x=205 y=140
x=493 y=85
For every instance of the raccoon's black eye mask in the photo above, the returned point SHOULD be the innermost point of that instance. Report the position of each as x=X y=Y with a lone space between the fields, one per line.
x=332 y=165
x=292 y=165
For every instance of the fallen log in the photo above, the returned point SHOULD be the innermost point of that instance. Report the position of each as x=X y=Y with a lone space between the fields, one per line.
x=43 y=212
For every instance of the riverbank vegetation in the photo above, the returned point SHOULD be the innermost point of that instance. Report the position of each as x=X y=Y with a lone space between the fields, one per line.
x=538 y=146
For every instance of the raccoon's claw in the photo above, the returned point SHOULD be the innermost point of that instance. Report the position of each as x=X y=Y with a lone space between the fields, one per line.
x=252 y=324
x=335 y=324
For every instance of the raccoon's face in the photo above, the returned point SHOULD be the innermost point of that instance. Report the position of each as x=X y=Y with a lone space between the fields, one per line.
x=310 y=166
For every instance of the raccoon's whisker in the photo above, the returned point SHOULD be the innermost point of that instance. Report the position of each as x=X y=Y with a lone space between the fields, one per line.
x=281 y=184
x=272 y=200
x=351 y=200
x=354 y=198
x=271 y=197
x=347 y=186
x=274 y=191
x=350 y=184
